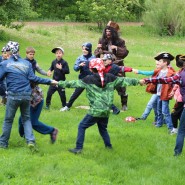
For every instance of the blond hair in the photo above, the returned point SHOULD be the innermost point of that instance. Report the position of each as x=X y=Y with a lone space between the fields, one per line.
x=30 y=50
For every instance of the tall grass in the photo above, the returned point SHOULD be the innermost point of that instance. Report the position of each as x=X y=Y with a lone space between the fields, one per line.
x=141 y=155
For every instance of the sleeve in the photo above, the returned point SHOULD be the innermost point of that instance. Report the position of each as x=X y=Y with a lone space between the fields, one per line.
x=76 y=65
x=52 y=66
x=41 y=71
x=122 y=51
x=2 y=71
x=176 y=79
x=98 y=51
x=125 y=69
x=36 y=79
x=146 y=73
x=125 y=81
x=65 y=68
x=72 y=84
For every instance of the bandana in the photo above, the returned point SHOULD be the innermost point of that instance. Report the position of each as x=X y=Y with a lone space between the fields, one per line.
x=3 y=49
x=14 y=48
x=97 y=63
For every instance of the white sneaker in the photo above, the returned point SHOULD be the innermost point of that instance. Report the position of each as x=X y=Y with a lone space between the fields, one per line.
x=174 y=131
x=64 y=109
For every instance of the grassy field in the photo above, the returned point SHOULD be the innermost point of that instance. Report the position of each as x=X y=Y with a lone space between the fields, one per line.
x=141 y=155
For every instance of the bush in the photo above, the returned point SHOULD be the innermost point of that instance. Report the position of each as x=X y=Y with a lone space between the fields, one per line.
x=165 y=17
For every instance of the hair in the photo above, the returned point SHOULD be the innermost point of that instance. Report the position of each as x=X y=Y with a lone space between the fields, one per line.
x=30 y=50
x=94 y=70
x=114 y=34
x=166 y=60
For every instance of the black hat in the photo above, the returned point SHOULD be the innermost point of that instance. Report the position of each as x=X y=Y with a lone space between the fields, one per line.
x=164 y=56
x=57 y=48
x=88 y=46
x=180 y=59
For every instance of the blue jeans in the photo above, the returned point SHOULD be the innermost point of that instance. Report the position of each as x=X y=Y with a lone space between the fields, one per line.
x=36 y=124
x=163 y=113
x=88 y=121
x=181 y=134
x=12 y=105
x=152 y=104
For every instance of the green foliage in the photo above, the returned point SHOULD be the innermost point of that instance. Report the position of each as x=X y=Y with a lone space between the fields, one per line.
x=103 y=11
x=15 y=10
x=165 y=17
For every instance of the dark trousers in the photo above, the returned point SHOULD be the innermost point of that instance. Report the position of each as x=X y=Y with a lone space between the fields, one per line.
x=61 y=92
x=74 y=96
x=87 y=122
x=122 y=90
x=36 y=124
x=176 y=113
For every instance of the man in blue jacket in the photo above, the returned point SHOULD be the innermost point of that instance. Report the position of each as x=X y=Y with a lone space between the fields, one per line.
x=18 y=73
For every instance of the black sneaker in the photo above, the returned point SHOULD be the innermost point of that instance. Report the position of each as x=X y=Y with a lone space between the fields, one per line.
x=53 y=135
x=75 y=150
x=47 y=107
x=139 y=118
x=115 y=111
x=176 y=154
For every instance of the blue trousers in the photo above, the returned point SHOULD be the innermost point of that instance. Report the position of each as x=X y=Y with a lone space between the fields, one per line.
x=13 y=103
x=36 y=124
x=87 y=122
x=163 y=113
x=181 y=134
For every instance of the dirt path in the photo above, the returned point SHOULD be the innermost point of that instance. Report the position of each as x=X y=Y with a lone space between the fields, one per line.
x=76 y=23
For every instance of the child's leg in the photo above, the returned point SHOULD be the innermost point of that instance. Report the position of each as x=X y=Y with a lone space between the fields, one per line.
x=74 y=96
x=159 y=113
x=102 y=126
x=50 y=92
x=36 y=124
x=166 y=113
x=180 y=135
x=62 y=94
x=149 y=106
x=87 y=121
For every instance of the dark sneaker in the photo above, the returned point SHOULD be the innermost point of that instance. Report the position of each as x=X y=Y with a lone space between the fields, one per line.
x=47 y=107
x=75 y=150
x=124 y=108
x=139 y=118
x=115 y=110
x=53 y=136
x=108 y=147
x=176 y=154
x=3 y=146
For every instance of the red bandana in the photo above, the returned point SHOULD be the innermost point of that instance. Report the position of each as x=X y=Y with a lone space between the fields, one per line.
x=99 y=65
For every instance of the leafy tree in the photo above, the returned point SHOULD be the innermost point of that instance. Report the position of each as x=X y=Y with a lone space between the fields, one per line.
x=104 y=10
x=15 y=10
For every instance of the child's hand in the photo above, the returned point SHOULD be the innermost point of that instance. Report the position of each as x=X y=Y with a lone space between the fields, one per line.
x=49 y=73
x=59 y=66
x=142 y=82
x=171 y=94
x=82 y=64
x=54 y=82
x=135 y=71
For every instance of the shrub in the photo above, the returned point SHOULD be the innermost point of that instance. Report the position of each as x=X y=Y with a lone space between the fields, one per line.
x=165 y=17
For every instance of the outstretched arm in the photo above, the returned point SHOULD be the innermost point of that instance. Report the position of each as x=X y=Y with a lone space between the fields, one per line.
x=176 y=79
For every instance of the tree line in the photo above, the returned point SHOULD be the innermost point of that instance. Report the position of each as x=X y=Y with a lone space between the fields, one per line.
x=163 y=16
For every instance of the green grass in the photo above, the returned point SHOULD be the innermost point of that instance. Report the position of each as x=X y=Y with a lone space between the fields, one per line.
x=141 y=155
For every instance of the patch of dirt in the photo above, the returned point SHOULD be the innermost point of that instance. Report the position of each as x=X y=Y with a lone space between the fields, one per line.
x=76 y=23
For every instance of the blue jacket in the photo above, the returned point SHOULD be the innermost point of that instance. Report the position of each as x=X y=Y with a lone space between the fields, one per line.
x=84 y=70
x=18 y=75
